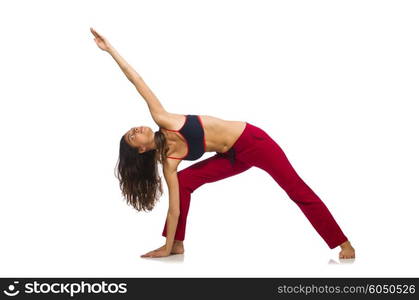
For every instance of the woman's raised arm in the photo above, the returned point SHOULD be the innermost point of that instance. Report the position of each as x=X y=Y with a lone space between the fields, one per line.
x=156 y=108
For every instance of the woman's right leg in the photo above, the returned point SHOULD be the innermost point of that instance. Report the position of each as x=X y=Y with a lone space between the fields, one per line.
x=208 y=170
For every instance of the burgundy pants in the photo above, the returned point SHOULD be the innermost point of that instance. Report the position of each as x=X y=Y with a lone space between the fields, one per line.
x=255 y=147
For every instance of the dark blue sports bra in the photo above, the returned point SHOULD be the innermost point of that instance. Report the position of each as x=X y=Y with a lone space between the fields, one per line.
x=192 y=132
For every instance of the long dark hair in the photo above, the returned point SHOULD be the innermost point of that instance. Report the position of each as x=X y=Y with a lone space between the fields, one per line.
x=138 y=175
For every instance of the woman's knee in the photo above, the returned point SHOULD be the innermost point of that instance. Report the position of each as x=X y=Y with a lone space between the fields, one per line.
x=300 y=192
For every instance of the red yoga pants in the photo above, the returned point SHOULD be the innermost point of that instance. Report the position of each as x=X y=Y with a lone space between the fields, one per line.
x=255 y=147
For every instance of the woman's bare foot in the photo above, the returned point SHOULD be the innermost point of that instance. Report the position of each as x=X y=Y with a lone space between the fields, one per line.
x=347 y=250
x=177 y=248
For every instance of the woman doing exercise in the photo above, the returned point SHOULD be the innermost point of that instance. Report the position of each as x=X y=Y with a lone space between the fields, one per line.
x=238 y=145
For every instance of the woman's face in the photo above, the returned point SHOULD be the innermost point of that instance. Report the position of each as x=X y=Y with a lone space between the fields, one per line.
x=140 y=138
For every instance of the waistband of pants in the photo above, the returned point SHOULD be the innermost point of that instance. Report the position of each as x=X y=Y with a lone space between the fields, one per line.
x=243 y=141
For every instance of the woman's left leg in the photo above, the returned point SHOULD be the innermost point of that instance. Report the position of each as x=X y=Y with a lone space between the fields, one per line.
x=259 y=149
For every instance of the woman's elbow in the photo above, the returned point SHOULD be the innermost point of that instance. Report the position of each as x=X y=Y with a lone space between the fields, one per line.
x=175 y=213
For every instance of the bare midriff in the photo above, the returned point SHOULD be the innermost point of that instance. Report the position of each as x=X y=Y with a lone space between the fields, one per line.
x=220 y=135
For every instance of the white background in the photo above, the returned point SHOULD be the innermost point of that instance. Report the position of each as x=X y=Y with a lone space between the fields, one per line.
x=335 y=83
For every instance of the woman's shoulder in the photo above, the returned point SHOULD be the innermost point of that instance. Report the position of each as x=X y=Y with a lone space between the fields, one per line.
x=171 y=121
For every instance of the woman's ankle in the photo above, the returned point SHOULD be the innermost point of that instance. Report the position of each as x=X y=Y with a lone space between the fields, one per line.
x=346 y=244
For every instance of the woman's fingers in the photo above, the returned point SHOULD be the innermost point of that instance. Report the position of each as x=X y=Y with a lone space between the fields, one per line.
x=97 y=35
x=93 y=31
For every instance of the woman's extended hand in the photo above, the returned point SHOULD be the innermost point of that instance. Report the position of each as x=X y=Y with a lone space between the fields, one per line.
x=160 y=252
x=101 y=41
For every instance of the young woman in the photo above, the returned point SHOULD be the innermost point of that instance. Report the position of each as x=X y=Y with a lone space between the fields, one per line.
x=238 y=146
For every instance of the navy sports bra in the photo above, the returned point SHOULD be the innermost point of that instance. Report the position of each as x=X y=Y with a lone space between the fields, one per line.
x=192 y=132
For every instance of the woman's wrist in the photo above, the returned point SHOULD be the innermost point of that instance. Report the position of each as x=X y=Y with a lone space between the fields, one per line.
x=111 y=50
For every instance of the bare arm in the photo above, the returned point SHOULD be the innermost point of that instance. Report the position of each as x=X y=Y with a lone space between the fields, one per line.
x=157 y=111
x=154 y=105
x=170 y=174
